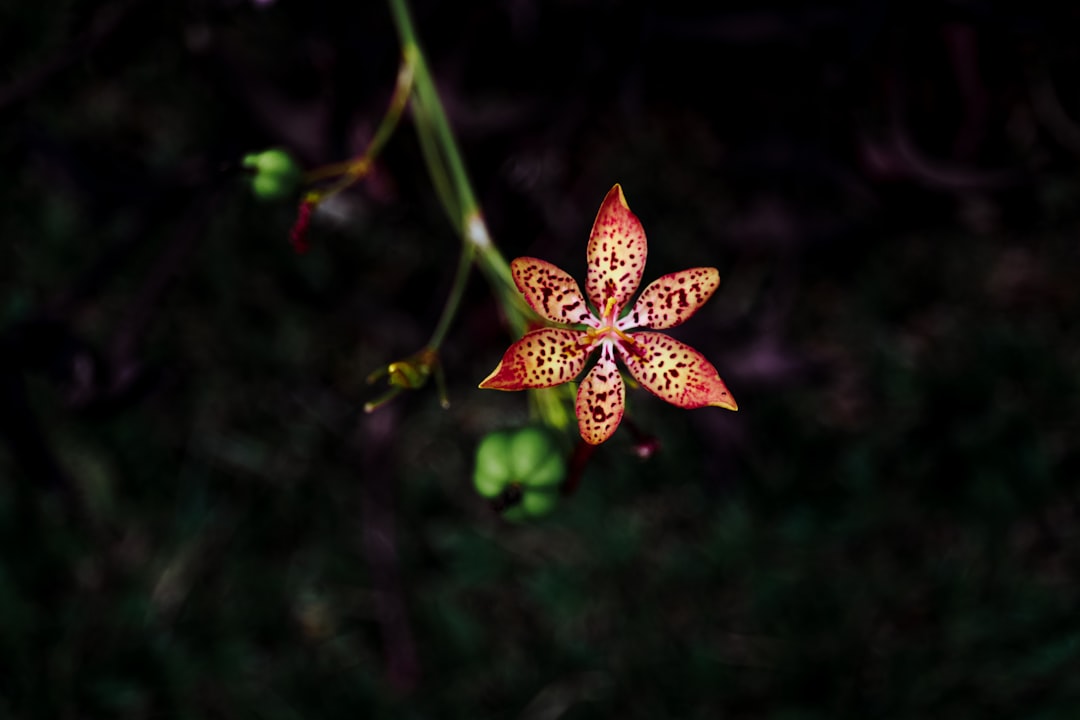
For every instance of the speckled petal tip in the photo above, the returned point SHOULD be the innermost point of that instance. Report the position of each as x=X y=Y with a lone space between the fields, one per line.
x=676 y=372
x=616 y=253
x=600 y=402
x=550 y=291
x=543 y=358
x=670 y=300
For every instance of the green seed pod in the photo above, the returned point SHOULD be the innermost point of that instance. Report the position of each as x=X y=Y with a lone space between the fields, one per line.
x=534 y=503
x=535 y=459
x=538 y=502
x=529 y=458
x=492 y=474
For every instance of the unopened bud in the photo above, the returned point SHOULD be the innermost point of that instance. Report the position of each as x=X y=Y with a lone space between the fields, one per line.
x=276 y=174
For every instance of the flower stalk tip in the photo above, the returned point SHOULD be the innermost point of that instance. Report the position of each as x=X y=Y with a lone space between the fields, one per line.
x=410 y=373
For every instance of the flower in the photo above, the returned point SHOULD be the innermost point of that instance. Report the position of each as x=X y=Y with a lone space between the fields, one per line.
x=671 y=370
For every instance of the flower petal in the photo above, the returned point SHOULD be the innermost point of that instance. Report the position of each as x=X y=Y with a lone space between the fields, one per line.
x=668 y=301
x=675 y=372
x=616 y=254
x=550 y=291
x=600 y=401
x=543 y=358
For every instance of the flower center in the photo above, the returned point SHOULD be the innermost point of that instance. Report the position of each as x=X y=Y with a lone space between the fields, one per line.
x=608 y=331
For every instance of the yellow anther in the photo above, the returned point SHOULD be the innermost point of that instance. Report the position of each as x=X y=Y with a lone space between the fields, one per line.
x=610 y=305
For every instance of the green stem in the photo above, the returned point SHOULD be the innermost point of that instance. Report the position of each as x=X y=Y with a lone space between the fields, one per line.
x=461 y=277
x=424 y=90
x=458 y=173
x=451 y=179
x=429 y=147
x=402 y=90
x=355 y=168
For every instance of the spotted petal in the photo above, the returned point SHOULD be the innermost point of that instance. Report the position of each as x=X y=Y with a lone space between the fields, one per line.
x=550 y=291
x=668 y=301
x=675 y=372
x=600 y=402
x=616 y=253
x=545 y=357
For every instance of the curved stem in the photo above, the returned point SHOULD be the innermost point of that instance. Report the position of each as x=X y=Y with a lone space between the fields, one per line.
x=358 y=167
x=451 y=179
x=457 y=290
x=429 y=148
x=425 y=92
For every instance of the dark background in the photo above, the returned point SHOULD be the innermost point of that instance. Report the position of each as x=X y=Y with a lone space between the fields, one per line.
x=196 y=522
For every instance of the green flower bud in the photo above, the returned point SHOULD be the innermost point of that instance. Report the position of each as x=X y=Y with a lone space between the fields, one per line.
x=276 y=174
x=276 y=162
x=268 y=187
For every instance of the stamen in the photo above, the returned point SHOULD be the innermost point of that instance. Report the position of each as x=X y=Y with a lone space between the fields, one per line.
x=631 y=344
x=609 y=306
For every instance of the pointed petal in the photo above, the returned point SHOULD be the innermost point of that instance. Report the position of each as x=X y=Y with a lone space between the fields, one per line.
x=543 y=358
x=675 y=372
x=600 y=402
x=616 y=253
x=550 y=291
x=668 y=301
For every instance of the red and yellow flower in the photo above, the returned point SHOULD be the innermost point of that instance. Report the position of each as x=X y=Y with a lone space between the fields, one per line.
x=550 y=356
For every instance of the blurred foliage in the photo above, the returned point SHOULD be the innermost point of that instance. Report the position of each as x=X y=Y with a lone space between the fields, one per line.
x=196 y=520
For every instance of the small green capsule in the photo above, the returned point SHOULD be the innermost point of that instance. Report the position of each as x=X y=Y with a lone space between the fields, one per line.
x=276 y=162
x=268 y=187
x=276 y=174
x=408 y=374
